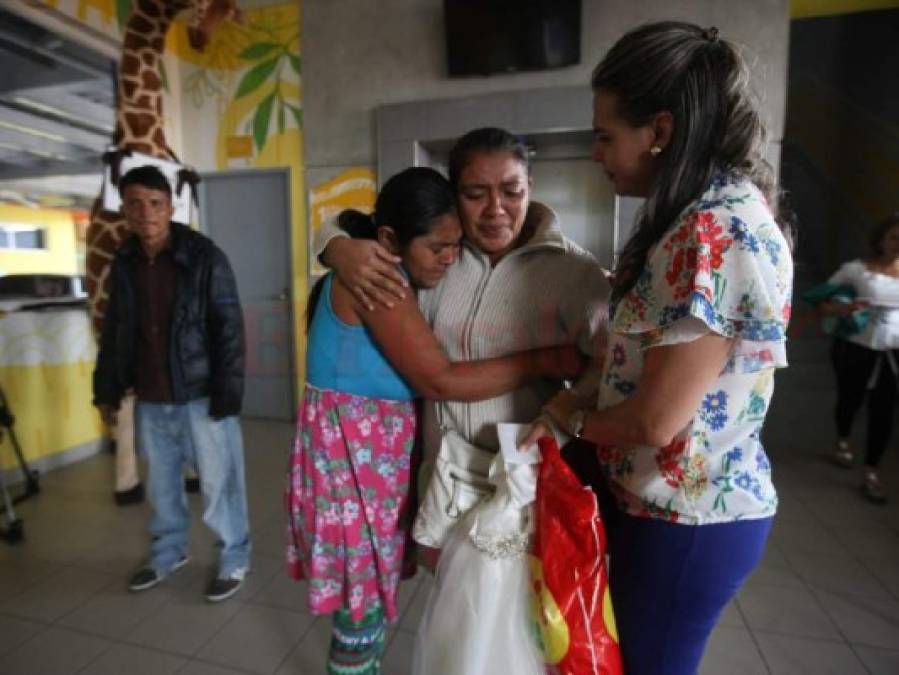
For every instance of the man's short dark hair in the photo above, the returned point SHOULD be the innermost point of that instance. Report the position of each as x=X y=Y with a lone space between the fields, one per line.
x=147 y=176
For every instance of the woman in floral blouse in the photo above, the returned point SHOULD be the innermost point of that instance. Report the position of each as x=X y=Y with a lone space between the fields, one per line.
x=698 y=327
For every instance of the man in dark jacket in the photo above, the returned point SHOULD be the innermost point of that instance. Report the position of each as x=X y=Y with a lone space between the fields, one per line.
x=174 y=334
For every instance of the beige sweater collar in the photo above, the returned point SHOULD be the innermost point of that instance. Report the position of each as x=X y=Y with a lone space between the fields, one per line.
x=547 y=233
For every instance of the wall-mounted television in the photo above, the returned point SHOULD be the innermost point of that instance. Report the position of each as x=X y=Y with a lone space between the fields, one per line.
x=484 y=37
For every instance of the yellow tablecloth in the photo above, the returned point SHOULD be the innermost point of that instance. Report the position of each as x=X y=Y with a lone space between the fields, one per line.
x=46 y=362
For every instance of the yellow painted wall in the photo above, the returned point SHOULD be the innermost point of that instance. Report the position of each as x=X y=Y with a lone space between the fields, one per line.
x=46 y=361
x=60 y=256
x=804 y=9
x=354 y=188
x=52 y=405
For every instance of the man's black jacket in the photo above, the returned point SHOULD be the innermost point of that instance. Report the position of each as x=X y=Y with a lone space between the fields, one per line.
x=206 y=343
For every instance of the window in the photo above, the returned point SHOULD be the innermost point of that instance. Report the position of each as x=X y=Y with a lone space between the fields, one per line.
x=22 y=238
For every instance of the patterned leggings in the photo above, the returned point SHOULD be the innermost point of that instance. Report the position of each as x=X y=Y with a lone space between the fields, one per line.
x=356 y=646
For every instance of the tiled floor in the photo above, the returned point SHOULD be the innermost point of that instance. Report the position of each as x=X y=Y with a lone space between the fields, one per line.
x=825 y=599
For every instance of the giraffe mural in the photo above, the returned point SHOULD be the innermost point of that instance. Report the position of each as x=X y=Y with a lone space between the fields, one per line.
x=139 y=120
x=139 y=128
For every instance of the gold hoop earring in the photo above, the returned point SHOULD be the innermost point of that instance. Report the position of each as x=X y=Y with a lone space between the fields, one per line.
x=655 y=151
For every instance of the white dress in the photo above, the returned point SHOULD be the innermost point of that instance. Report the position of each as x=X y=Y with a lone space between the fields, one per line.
x=477 y=618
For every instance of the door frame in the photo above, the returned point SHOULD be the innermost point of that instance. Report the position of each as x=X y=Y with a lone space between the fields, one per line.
x=284 y=172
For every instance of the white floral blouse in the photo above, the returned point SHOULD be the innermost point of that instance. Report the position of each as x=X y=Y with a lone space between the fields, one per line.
x=724 y=268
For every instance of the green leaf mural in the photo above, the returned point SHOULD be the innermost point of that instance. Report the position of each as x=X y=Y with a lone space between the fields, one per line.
x=272 y=71
x=255 y=77
x=295 y=62
x=258 y=50
x=122 y=13
x=262 y=119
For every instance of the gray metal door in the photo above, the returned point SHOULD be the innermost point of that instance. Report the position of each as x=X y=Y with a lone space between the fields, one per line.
x=247 y=213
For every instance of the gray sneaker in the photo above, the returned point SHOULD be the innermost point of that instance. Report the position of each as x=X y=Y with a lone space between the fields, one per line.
x=843 y=455
x=147 y=577
x=873 y=489
x=225 y=585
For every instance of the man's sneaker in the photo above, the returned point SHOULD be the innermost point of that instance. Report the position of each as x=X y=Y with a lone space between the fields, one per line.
x=147 y=577
x=843 y=455
x=873 y=489
x=225 y=585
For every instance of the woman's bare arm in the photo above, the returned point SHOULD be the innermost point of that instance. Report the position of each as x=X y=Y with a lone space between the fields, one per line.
x=674 y=380
x=411 y=347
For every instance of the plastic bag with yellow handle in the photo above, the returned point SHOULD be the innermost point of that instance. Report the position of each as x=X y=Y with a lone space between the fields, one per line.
x=570 y=600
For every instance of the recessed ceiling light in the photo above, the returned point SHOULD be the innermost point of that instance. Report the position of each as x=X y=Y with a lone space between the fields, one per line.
x=58 y=112
x=32 y=131
x=37 y=105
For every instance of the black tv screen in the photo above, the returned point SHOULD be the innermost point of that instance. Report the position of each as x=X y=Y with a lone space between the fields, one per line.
x=506 y=36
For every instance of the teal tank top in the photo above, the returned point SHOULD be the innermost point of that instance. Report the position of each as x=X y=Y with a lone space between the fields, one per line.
x=345 y=358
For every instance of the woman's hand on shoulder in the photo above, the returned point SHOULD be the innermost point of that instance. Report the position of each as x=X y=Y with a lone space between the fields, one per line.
x=368 y=270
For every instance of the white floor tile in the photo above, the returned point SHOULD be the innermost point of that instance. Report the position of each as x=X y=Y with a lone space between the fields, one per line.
x=55 y=651
x=874 y=540
x=793 y=536
x=311 y=654
x=879 y=661
x=201 y=668
x=13 y=632
x=183 y=625
x=887 y=573
x=864 y=620
x=56 y=596
x=114 y=611
x=281 y=591
x=789 y=655
x=791 y=611
x=732 y=651
x=20 y=573
x=122 y=659
x=256 y=639
x=836 y=574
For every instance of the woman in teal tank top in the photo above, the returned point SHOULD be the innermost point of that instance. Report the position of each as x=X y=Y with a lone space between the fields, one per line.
x=349 y=470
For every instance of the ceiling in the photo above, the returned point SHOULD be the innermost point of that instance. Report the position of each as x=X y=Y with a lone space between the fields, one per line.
x=56 y=112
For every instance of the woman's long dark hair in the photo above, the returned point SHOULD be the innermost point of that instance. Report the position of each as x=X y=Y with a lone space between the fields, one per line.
x=877 y=234
x=702 y=80
x=409 y=203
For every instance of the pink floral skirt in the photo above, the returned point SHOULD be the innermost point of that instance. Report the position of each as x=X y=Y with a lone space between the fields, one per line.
x=348 y=484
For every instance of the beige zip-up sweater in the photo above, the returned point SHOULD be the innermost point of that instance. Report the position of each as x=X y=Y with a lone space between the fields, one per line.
x=547 y=292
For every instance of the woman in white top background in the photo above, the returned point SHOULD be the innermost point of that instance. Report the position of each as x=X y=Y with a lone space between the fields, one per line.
x=867 y=362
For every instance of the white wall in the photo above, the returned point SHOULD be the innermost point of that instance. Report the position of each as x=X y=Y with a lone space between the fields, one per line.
x=583 y=199
x=359 y=54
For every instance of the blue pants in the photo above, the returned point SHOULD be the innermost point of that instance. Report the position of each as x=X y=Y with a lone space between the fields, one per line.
x=670 y=582
x=172 y=435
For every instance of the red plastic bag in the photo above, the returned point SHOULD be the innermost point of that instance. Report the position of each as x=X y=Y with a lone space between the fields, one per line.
x=570 y=586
